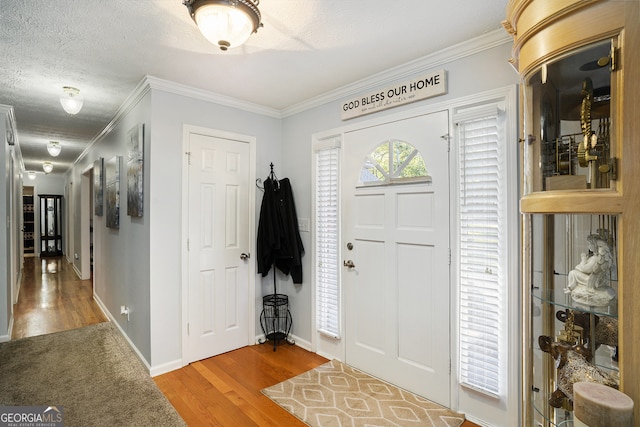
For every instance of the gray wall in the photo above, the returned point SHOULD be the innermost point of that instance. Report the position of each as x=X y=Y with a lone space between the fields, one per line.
x=170 y=112
x=47 y=184
x=11 y=212
x=140 y=264
x=469 y=75
x=121 y=256
x=5 y=261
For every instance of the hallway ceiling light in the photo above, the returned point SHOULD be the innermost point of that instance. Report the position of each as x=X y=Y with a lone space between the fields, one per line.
x=71 y=100
x=54 y=148
x=31 y=175
x=47 y=167
x=225 y=23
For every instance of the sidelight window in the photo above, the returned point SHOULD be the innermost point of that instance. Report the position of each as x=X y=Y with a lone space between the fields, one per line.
x=327 y=239
x=483 y=272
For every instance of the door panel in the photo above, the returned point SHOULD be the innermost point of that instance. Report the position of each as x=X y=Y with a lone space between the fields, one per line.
x=218 y=234
x=397 y=295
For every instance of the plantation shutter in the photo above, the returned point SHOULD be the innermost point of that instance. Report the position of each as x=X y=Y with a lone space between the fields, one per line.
x=326 y=242
x=483 y=266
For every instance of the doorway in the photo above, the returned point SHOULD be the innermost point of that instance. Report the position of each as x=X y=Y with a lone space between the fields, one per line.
x=395 y=245
x=220 y=289
x=86 y=225
x=28 y=221
x=50 y=225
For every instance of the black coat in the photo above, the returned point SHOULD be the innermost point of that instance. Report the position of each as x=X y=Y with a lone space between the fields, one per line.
x=279 y=241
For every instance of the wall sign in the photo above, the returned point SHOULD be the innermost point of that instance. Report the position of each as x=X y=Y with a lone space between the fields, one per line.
x=416 y=89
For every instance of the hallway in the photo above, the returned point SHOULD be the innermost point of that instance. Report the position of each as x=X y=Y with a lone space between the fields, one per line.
x=52 y=299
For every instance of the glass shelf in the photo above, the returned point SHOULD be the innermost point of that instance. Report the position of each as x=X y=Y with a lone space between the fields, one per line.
x=562 y=418
x=559 y=298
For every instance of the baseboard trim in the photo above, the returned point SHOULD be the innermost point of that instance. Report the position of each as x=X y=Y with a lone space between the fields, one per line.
x=107 y=313
x=166 y=367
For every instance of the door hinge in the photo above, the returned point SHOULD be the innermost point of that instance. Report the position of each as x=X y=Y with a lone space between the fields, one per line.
x=449 y=256
x=188 y=245
x=188 y=153
x=188 y=332
x=614 y=57
x=447 y=138
x=449 y=366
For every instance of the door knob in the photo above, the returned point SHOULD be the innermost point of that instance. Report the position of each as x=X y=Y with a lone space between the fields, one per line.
x=244 y=256
x=348 y=263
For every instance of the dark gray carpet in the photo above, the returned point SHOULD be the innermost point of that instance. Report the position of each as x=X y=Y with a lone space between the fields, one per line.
x=90 y=372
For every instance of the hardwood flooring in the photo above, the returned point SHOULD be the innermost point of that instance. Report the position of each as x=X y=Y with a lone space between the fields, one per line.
x=225 y=390
x=220 y=391
x=52 y=299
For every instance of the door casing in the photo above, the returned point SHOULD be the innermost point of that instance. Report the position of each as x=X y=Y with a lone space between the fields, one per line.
x=187 y=131
x=388 y=235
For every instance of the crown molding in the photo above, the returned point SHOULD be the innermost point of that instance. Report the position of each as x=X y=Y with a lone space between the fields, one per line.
x=12 y=132
x=467 y=48
x=438 y=59
x=134 y=97
x=204 y=95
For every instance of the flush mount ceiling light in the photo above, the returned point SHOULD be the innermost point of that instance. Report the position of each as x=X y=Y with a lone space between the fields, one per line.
x=71 y=100
x=31 y=175
x=54 y=148
x=225 y=23
x=47 y=167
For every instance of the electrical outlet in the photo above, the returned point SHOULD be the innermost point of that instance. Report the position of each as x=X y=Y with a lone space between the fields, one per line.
x=125 y=310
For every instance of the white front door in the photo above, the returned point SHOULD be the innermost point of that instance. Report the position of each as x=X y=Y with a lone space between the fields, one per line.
x=218 y=228
x=397 y=292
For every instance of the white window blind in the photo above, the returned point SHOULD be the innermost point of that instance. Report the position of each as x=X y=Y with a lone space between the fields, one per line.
x=326 y=243
x=483 y=266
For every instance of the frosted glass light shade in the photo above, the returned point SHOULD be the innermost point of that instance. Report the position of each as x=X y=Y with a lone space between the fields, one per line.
x=31 y=175
x=225 y=23
x=54 y=148
x=47 y=167
x=71 y=100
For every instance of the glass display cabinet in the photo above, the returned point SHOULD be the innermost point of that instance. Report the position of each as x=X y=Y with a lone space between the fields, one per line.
x=50 y=225
x=573 y=296
x=580 y=202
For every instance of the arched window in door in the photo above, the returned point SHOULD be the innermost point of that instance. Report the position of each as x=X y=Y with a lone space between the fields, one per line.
x=394 y=162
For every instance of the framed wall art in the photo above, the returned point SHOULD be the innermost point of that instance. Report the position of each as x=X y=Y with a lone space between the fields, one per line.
x=112 y=191
x=135 y=171
x=98 y=187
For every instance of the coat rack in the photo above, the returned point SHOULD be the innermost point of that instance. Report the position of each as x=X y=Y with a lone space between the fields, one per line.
x=275 y=318
x=272 y=176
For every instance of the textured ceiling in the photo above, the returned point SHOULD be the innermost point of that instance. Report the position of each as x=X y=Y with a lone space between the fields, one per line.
x=105 y=48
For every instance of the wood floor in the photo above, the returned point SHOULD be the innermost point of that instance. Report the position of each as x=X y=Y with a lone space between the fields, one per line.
x=225 y=390
x=219 y=391
x=52 y=299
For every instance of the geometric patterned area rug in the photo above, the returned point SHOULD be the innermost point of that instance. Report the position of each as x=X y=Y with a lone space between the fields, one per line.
x=337 y=395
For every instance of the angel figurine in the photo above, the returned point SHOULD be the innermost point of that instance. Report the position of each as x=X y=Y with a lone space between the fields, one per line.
x=589 y=282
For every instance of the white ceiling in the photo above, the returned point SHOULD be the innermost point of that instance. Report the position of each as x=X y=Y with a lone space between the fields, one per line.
x=105 y=48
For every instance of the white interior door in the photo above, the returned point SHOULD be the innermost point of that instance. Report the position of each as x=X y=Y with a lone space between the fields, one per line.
x=397 y=293
x=218 y=289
